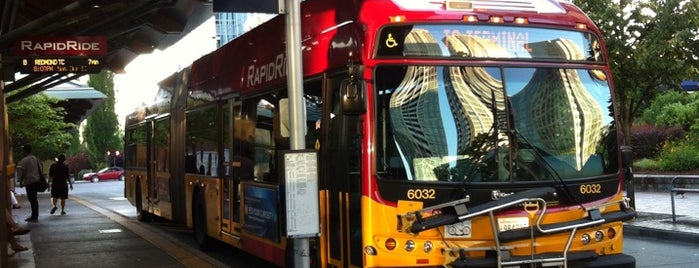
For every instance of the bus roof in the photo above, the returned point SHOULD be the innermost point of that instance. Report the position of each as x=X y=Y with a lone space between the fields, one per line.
x=538 y=6
x=333 y=34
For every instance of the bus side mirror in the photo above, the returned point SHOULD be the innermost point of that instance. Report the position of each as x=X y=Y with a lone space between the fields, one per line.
x=626 y=155
x=353 y=96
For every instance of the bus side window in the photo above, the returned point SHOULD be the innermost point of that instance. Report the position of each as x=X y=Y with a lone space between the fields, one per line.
x=190 y=164
x=259 y=143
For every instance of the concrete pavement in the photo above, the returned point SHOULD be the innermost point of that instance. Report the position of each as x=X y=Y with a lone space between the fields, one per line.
x=90 y=236
x=654 y=217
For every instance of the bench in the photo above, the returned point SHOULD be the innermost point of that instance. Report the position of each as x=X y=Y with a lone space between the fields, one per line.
x=674 y=189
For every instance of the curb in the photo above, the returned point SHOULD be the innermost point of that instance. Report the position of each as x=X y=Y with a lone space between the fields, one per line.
x=670 y=235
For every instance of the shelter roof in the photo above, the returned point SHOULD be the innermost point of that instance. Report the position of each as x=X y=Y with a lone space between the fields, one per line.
x=77 y=99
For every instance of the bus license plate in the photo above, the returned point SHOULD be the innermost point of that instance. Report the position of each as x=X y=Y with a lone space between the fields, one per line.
x=505 y=224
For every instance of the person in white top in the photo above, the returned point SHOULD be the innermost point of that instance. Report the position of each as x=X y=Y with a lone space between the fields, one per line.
x=28 y=171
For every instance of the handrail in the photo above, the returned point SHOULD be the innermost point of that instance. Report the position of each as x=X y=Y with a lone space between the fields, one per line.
x=674 y=190
x=665 y=176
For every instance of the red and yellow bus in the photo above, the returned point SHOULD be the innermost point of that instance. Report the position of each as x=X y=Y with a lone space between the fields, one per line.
x=448 y=133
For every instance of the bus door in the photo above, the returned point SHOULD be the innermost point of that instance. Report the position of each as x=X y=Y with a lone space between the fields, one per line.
x=159 y=177
x=234 y=131
x=340 y=176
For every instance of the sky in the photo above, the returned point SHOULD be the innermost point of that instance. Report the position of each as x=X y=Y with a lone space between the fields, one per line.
x=138 y=85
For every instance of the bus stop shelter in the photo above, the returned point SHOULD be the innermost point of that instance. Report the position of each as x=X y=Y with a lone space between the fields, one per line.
x=128 y=27
x=78 y=100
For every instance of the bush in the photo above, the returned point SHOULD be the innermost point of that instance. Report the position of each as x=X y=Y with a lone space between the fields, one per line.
x=81 y=173
x=680 y=155
x=77 y=163
x=672 y=108
x=646 y=164
x=647 y=140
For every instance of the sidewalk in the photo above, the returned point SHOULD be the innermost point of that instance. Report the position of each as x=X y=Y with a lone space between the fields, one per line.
x=91 y=236
x=655 y=217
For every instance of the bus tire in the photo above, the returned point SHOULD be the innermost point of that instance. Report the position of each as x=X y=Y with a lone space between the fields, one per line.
x=141 y=215
x=201 y=234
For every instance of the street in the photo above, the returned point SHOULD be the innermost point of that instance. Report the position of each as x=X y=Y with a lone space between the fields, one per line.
x=649 y=252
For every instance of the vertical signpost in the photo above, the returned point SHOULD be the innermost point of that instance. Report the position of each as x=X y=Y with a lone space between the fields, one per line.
x=297 y=142
x=301 y=165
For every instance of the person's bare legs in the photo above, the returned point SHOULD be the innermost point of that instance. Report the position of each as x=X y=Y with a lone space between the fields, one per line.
x=63 y=206
x=14 y=226
x=11 y=220
x=12 y=241
x=53 y=202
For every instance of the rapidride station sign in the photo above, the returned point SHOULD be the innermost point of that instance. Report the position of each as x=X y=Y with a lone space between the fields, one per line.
x=69 y=54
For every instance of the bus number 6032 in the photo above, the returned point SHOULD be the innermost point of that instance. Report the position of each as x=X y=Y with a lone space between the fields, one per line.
x=420 y=194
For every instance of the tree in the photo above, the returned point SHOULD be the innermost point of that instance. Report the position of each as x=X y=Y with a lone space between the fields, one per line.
x=78 y=163
x=673 y=108
x=36 y=120
x=102 y=132
x=652 y=44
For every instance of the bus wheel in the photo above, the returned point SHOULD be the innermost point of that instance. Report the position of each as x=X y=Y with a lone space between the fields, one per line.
x=199 y=221
x=142 y=215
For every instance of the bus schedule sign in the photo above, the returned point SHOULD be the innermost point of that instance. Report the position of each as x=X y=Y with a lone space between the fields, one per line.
x=301 y=192
x=36 y=65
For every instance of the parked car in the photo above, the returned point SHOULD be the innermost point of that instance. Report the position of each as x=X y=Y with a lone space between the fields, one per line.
x=108 y=173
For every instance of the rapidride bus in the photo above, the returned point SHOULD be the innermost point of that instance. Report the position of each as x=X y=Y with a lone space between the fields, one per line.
x=448 y=133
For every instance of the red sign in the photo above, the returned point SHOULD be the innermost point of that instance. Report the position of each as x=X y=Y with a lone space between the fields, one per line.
x=66 y=45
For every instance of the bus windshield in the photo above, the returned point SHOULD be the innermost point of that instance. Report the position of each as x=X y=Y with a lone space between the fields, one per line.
x=493 y=124
x=487 y=41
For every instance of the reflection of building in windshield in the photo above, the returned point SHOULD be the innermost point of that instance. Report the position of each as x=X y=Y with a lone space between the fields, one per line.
x=415 y=108
x=562 y=49
x=414 y=105
x=555 y=111
x=471 y=90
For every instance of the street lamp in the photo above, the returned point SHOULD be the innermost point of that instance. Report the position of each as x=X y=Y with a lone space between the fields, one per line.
x=111 y=158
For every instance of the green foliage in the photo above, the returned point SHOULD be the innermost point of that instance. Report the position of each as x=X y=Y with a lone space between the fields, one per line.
x=101 y=132
x=672 y=108
x=74 y=148
x=646 y=164
x=36 y=120
x=650 y=44
x=680 y=155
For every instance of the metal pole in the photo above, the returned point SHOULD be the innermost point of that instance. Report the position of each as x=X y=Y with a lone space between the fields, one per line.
x=297 y=116
x=4 y=177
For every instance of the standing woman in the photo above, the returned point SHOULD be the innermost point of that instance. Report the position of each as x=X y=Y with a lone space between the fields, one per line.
x=58 y=179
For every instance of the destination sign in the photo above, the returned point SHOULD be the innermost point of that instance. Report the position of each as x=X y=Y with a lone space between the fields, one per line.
x=60 y=65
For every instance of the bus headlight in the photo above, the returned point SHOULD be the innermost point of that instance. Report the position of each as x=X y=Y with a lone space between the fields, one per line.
x=369 y=250
x=428 y=246
x=599 y=235
x=409 y=245
x=585 y=239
